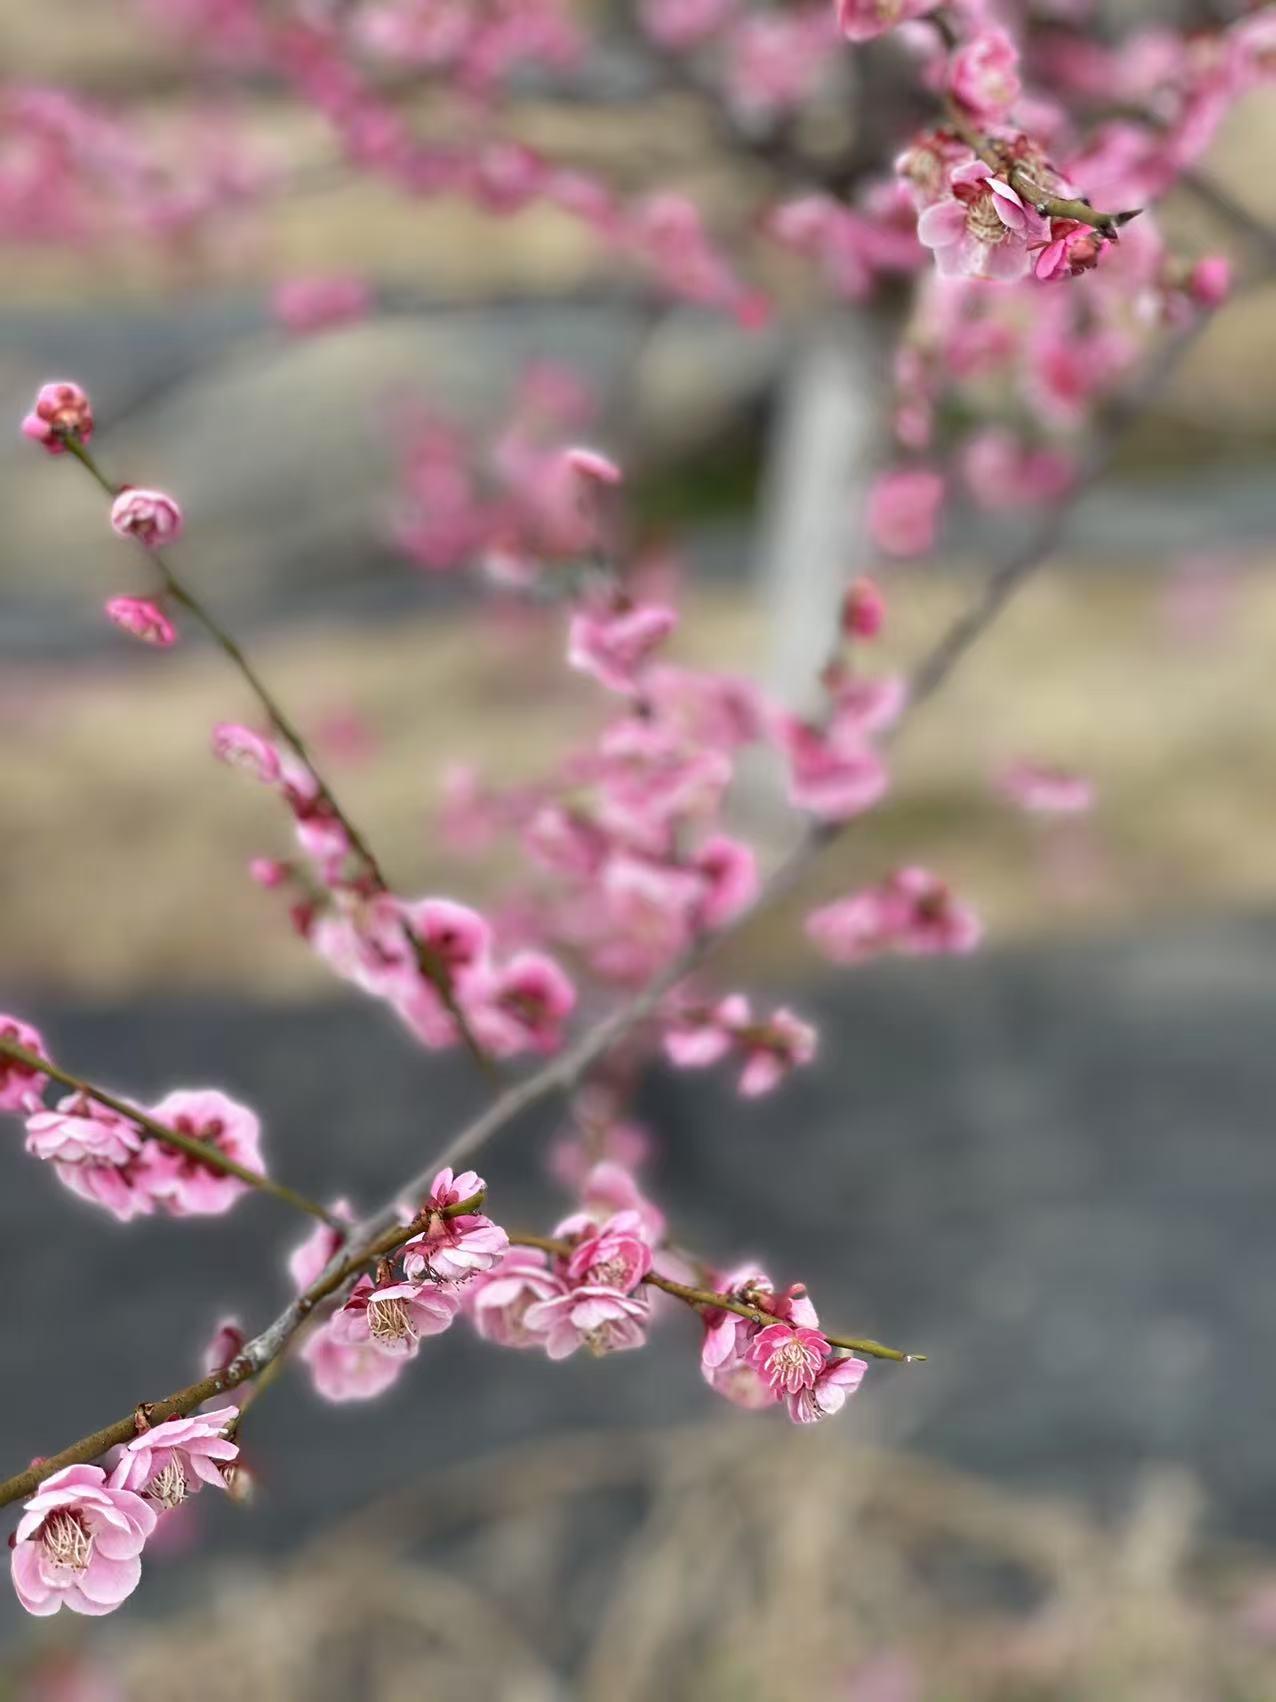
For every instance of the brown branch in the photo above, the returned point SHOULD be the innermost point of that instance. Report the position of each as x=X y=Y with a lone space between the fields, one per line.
x=204 y=1152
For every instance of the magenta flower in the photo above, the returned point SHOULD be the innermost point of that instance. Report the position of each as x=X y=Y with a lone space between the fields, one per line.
x=861 y=20
x=185 y=1185
x=392 y=1320
x=142 y=619
x=1210 y=282
x=602 y=1319
x=348 y=1371
x=79 y=1544
x=172 y=1461
x=729 y=869
x=20 y=1087
x=454 y=1249
x=789 y=1357
x=835 y=1382
x=616 y=1255
x=615 y=644
x=903 y=510
x=61 y=410
x=863 y=610
x=151 y=517
x=240 y=747
x=1070 y=249
x=498 y=1301
x=95 y=1153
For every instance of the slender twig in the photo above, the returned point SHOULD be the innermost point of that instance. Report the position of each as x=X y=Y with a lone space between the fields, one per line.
x=204 y=1152
x=708 y=1297
x=431 y=964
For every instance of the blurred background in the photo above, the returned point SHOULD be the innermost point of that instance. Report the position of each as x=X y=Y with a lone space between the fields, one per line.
x=1049 y=1167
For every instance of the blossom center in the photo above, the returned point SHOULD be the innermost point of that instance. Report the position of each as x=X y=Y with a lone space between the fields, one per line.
x=983 y=221
x=67 y=1541
x=168 y=1487
x=390 y=1320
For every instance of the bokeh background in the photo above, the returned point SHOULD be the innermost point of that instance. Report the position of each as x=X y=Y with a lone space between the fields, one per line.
x=1051 y=1167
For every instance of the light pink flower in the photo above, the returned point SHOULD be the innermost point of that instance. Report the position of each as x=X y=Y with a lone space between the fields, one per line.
x=616 y=1255
x=497 y=1301
x=602 y=1319
x=789 y=1357
x=1003 y=472
x=348 y=1371
x=20 y=1087
x=700 y=1035
x=79 y=1544
x=308 y=1262
x=151 y=517
x=392 y=1320
x=773 y=1049
x=454 y=1249
x=522 y=1005
x=863 y=706
x=96 y=1154
x=615 y=644
x=240 y=747
x=1210 y=282
x=166 y=1464
x=305 y=305
x=829 y=777
x=608 y=1190
x=61 y=410
x=861 y=20
x=981 y=228
x=863 y=610
x=186 y=1185
x=729 y=869
x=225 y=1347
x=911 y=912
x=1043 y=790
x=984 y=74
x=142 y=619
x=835 y=1382
x=903 y=510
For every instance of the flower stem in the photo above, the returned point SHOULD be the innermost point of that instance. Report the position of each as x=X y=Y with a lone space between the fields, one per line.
x=203 y=1151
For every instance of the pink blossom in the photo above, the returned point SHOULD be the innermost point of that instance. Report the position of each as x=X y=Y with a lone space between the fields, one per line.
x=1210 y=281
x=21 y=1086
x=772 y=1050
x=392 y=1319
x=724 y=1362
x=835 y=1382
x=61 y=410
x=1070 y=249
x=679 y=24
x=593 y=465
x=903 y=510
x=186 y=1185
x=984 y=74
x=225 y=1347
x=305 y=305
x=307 y=1263
x=348 y=1371
x=1043 y=790
x=833 y=778
x=498 y=1301
x=142 y=619
x=789 y=1357
x=616 y=1255
x=149 y=516
x=698 y=1036
x=240 y=747
x=522 y=1005
x=615 y=644
x=863 y=706
x=602 y=1319
x=1003 y=472
x=453 y=1249
x=458 y=937
x=861 y=20
x=95 y=1153
x=171 y=1461
x=911 y=912
x=981 y=228
x=608 y=1190
x=863 y=610
x=79 y=1544
x=729 y=869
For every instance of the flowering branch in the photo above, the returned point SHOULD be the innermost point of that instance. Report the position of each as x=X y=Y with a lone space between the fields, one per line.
x=203 y=1152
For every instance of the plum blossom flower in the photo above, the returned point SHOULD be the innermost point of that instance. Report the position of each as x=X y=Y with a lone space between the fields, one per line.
x=700 y=1035
x=616 y=1255
x=790 y=1357
x=142 y=619
x=171 y=1461
x=307 y=1263
x=305 y=305
x=61 y=410
x=497 y=1301
x=454 y=1249
x=729 y=870
x=187 y=1186
x=343 y=1370
x=834 y=1383
x=772 y=1049
x=20 y=1085
x=981 y=228
x=240 y=747
x=1043 y=790
x=151 y=517
x=911 y=912
x=830 y=776
x=95 y=1153
x=523 y=1004
x=863 y=610
x=1069 y=249
x=79 y=1544
x=602 y=1319
x=225 y=1346
x=614 y=644
x=984 y=74
x=1210 y=282
x=1003 y=472
x=862 y=20
x=392 y=1319
x=903 y=510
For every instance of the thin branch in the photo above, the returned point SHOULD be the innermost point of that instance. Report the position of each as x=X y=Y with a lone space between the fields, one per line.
x=204 y=1152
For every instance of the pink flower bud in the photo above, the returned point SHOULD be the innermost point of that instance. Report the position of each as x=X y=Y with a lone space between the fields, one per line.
x=20 y=1087
x=149 y=516
x=1211 y=281
x=903 y=510
x=863 y=610
x=61 y=410
x=240 y=747
x=142 y=619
